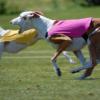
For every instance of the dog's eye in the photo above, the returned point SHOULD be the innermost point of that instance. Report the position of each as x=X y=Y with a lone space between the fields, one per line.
x=24 y=18
x=31 y=14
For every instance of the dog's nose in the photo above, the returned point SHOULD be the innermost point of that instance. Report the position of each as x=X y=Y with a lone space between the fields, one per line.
x=10 y=22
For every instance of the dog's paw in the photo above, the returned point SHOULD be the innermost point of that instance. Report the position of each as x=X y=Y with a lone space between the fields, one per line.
x=75 y=70
x=83 y=77
x=58 y=72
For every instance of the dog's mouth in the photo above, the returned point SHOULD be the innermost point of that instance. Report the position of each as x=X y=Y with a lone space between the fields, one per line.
x=19 y=30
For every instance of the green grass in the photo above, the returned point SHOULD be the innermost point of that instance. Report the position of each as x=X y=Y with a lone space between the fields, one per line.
x=29 y=74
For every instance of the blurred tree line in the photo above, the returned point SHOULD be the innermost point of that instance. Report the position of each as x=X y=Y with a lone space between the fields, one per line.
x=8 y=9
x=93 y=2
x=55 y=4
x=2 y=7
x=87 y=2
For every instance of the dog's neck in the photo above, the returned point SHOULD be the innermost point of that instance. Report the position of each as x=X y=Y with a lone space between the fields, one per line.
x=42 y=25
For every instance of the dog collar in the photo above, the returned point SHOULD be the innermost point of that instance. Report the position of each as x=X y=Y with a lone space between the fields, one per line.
x=46 y=35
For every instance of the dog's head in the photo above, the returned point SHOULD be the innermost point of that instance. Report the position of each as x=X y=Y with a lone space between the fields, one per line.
x=25 y=19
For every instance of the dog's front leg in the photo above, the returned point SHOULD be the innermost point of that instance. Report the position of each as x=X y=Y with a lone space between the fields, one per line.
x=56 y=68
x=80 y=56
x=54 y=58
x=64 y=42
x=82 y=60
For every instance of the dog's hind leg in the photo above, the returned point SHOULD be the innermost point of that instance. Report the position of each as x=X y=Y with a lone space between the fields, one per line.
x=87 y=73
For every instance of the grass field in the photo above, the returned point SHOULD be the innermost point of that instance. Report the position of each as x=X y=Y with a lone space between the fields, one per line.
x=29 y=74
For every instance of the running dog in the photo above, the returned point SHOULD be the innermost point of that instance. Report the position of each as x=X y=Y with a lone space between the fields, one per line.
x=64 y=34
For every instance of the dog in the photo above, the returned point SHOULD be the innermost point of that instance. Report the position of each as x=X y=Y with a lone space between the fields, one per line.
x=13 y=42
x=30 y=19
x=93 y=34
x=91 y=30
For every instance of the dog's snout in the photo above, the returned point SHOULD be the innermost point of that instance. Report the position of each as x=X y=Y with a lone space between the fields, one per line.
x=11 y=22
x=14 y=21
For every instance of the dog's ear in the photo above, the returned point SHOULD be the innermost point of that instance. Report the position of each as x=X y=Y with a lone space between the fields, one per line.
x=38 y=12
x=35 y=14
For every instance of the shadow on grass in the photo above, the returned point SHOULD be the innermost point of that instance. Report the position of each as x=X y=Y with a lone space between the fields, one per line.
x=87 y=79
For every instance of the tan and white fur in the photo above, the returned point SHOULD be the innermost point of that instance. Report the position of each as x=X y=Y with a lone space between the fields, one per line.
x=29 y=19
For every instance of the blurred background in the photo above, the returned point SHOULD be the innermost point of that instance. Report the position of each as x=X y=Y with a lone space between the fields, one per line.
x=59 y=9
x=15 y=6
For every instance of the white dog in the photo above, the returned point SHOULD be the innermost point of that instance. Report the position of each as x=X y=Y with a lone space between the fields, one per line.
x=30 y=19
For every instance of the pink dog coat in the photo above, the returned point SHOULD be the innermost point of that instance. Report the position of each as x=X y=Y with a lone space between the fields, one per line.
x=71 y=28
